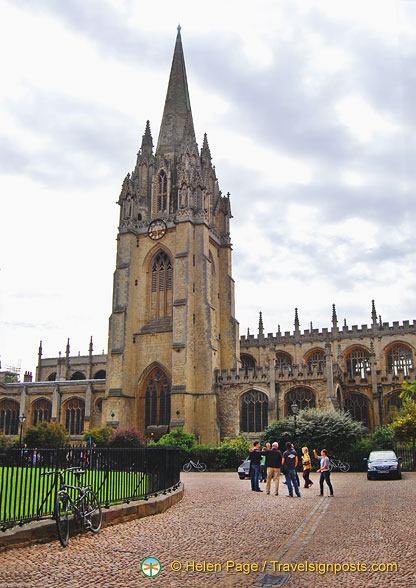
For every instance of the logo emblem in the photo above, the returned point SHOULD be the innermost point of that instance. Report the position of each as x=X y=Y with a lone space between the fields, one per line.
x=150 y=567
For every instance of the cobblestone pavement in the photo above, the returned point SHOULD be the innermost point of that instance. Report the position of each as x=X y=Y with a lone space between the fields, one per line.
x=221 y=520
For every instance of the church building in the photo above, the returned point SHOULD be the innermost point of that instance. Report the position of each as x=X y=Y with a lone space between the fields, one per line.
x=175 y=358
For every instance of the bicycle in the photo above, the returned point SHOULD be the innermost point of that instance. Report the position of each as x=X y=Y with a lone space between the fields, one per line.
x=199 y=466
x=336 y=464
x=85 y=507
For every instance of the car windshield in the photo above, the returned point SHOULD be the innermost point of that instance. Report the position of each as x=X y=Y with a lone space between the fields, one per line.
x=375 y=455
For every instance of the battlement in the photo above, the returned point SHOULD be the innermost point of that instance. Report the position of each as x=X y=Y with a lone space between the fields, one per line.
x=335 y=333
x=263 y=374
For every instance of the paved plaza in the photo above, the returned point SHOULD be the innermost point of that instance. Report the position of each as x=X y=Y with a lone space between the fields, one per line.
x=224 y=535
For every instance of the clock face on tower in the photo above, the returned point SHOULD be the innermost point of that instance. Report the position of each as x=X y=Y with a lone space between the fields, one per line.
x=157 y=229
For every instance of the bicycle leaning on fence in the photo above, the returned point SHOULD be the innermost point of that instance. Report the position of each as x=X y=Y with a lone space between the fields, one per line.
x=337 y=464
x=199 y=466
x=85 y=506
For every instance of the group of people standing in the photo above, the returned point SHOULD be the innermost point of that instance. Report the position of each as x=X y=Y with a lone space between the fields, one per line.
x=286 y=463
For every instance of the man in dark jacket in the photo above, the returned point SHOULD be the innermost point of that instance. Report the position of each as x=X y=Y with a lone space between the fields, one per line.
x=255 y=459
x=273 y=465
x=289 y=462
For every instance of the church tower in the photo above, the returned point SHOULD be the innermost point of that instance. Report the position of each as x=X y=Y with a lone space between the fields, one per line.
x=172 y=323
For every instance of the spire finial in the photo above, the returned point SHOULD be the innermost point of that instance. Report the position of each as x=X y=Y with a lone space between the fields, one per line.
x=296 y=323
x=261 y=330
x=373 y=313
x=179 y=28
x=334 y=317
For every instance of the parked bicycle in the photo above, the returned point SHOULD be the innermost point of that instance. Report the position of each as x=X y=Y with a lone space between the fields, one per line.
x=85 y=507
x=199 y=466
x=336 y=464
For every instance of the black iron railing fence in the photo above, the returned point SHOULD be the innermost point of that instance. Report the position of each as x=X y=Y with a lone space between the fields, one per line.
x=116 y=475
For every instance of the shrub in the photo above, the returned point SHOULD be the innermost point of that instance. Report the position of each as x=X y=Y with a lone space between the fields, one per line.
x=98 y=436
x=46 y=436
x=316 y=428
x=127 y=437
x=178 y=437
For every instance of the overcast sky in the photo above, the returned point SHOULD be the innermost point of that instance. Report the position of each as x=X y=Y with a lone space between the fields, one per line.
x=309 y=107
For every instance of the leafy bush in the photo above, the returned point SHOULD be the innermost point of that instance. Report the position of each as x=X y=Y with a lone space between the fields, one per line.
x=98 y=436
x=178 y=437
x=46 y=436
x=127 y=437
x=382 y=438
x=316 y=428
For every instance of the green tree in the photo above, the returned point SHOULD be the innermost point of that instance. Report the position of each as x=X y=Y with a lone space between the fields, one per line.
x=404 y=426
x=99 y=436
x=46 y=436
x=316 y=428
x=127 y=437
x=178 y=437
x=408 y=391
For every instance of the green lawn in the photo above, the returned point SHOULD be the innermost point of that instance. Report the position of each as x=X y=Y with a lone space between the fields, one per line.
x=25 y=494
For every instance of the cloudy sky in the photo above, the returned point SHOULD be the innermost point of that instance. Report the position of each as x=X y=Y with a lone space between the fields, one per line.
x=309 y=111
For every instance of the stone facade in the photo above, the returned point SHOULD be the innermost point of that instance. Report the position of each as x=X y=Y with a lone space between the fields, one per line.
x=174 y=354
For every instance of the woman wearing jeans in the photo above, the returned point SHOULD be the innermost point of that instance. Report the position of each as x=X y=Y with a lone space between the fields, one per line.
x=325 y=473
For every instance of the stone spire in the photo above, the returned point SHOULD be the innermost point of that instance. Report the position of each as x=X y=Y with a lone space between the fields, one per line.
x=261 y=329
x=147 y=142
x=373 y=314
x=177 y=115
x=205 y=151
x=296 y=323
x=334 y=317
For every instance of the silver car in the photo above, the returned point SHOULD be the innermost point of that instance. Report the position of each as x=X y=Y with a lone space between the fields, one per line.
x=244 y=469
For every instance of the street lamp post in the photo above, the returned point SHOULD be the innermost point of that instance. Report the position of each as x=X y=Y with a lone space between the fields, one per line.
x=295 y=411
x=22 y=418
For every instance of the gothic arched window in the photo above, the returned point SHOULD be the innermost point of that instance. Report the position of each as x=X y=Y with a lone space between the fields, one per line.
x=393 y=404
x=162 y=193
x=253 y=412
x=161 y=286
x=282 y=360
x=52 y=377
x=304 y=398
x=399 y=359
x=358 y=407
x=9 y=417
x=74 y=416
x=315 y=359
x=100 y=375
x=42 y=411
x=157 y=399
x=247 y=361
x=78 y=376
x=358 y=362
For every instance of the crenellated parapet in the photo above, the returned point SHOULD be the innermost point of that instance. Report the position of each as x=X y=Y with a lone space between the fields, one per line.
x=334 y=334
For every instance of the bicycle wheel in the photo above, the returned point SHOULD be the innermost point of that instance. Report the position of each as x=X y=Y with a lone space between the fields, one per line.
x=187 y=467
x=93 y=515
x=202 y=467
x=331 y=466
x=62 y=517
x=344 y=466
